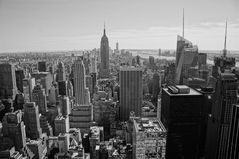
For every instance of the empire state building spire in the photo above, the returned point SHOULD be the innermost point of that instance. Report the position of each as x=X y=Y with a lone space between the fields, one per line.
x=183 y=22
x=104 y=29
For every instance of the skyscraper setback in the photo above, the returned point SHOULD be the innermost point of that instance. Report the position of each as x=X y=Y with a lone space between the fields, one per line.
x=61 y=73
x=32 y=121
x=218 y=123
x=104 y=56
x=81 y=92
x=39 y=97
x=224 y=98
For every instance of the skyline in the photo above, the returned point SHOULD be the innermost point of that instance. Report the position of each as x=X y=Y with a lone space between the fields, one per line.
x=78 y=25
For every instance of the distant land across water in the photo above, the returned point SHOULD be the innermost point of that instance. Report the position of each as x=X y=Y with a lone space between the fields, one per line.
x=144 y=53
x=210 y=54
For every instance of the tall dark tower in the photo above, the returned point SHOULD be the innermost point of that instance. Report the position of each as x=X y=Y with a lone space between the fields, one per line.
x=224 y=97
x=104 y=56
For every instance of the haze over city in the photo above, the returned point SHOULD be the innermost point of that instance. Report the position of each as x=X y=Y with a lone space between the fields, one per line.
x=41 y=25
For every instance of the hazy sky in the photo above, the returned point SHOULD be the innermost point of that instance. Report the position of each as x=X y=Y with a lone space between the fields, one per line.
x=41 y=25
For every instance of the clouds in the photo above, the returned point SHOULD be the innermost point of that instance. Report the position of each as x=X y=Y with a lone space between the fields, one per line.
x=78 y=24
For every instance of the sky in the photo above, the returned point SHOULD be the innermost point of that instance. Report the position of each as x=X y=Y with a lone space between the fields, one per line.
x=50 y=25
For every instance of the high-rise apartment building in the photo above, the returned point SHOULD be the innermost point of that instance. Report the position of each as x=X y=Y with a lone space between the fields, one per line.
x=131 y=92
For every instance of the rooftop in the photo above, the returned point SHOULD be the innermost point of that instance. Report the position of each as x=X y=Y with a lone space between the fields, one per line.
x=181 y=90
x=95 y=131
x=130 y=68
x=148 y=125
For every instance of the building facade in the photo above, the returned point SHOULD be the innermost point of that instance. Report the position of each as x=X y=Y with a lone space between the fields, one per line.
x=8 y=87
x=32 y=120
x=131 y=92
x=39 y=97
x=182 y=116
x=81 y=92
x=149 y=139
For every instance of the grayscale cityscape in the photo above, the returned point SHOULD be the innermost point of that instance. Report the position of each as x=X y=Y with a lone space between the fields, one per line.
x=125 y=79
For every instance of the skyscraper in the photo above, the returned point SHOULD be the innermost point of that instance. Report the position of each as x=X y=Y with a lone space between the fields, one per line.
x=61 y=73
x=117 y=46
x=62 y=88
x=202 y=59
x=131 y=92
x=186 y=57
x=219 y=121
x=104 y=56
x=14 y=128
x=151 y=62
x=8 y=85
x=61 y=125
x=64 y=104
x=81 y=92
x=39 y=97
x=28 y=85
x=224 y=62
x=32 y=121
x=232 y=144
x=19 y=79
x=44 y=78
x=42 y=66
x=81 y=114
x=93 y=68
x=223 y=99
x=182 y=116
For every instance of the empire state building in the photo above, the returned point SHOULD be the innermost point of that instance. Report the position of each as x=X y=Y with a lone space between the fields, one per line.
x=104 y=56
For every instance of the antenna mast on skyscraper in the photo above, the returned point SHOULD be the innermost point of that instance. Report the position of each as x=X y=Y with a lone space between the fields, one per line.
x=183 y=22
x=225 y=42
x=104 y=27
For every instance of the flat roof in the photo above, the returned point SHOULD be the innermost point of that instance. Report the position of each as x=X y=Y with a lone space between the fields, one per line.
x=148 y=125
x=192 y=92
x=131 y=69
